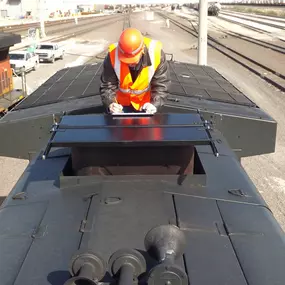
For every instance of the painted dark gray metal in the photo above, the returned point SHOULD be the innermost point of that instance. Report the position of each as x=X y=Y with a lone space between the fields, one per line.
x=106 y=130
x=231 y=236
x=248 y=130
x=7 y=40
x=52 y=214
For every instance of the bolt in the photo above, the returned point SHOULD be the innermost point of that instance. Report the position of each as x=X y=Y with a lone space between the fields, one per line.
x=168 y=283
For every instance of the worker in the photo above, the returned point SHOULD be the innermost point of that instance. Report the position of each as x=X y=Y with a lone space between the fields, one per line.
x=135 y=74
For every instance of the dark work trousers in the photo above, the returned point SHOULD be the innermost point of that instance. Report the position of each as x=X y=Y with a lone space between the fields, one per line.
x=130 y=109
x=127 y=109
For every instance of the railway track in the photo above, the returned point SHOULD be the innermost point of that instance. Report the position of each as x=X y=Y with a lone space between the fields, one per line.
x=262 y=31
x=256 y=19
x=19 y=28
x=90 y=26
x=253 y=20
x=88 y=29
x=56 y=29
x=274 y=47
x=101 y=56
x=271 y=76
x=270 y=18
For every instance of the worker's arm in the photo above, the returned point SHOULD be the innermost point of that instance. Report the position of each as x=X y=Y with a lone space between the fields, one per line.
x=160 y=83
x=109 y=83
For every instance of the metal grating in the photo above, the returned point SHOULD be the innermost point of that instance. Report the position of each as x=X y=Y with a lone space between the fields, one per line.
x=187 y=80
x=66 y=84
x=204 y=82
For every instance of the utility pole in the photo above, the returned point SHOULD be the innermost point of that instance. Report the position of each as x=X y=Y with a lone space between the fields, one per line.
x=203 y=32
x=42 y=17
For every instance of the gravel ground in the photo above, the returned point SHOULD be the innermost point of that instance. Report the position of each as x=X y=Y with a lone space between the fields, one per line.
x=214 y=22
x=278 y=11
x=261 y=19
x=262 y=55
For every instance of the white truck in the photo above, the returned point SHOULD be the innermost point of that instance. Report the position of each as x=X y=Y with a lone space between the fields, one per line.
x=23 y=59
x=49 y=52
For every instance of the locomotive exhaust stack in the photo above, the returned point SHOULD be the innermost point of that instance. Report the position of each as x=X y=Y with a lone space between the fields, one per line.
x=166 y=244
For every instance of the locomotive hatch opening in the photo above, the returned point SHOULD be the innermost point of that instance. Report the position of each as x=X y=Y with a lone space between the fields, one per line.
x=154 y=160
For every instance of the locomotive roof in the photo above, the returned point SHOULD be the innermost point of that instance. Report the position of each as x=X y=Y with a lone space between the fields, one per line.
x=87 y=195
x=76 y=90
x=9 y=39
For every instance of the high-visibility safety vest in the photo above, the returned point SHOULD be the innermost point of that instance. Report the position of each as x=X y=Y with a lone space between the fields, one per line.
x=135 y=93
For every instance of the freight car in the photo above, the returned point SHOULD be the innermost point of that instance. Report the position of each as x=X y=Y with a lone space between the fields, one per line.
x=214 y=8
x=8 y=98
x=138 y=199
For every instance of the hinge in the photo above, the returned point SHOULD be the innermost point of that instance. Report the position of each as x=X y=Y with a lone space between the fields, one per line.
x=208 y=127
x=39 y=232
x=82 y=226
x=20 y=196
x=221 y=228
x=237 y=192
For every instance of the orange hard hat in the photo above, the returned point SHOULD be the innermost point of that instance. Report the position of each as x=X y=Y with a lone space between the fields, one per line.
x=131 y=46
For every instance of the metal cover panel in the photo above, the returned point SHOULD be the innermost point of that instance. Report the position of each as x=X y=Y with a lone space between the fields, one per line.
x=209 y=256
x=149 y=121
x=18 y=224
x=132 y=134
x=258 y=241
x=60 y=237
x=158 y=129
x=9 y=264
x=211 y=85
x=225 y=185
x=65 y=85
x=123 y=215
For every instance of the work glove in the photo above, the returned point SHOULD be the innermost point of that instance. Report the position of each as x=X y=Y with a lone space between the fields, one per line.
x=149 y=108
x=115 y=108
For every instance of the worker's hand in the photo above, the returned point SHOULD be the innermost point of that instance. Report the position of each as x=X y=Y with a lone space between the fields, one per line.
x=115 y=108
x=149 y=108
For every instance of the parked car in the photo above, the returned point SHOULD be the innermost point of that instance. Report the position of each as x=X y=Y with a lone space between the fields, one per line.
x=23 y=60
x=49 y=52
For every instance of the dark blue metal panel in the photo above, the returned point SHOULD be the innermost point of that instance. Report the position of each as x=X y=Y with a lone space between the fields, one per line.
x=258 y=240
x=209 y=257
x=19 y=226
x=167 y=120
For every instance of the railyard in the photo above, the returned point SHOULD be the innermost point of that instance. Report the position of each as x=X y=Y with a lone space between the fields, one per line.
x=117 y=193
x=250 y=54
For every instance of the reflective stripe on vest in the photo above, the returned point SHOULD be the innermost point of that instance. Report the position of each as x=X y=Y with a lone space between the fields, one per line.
x=136 y=92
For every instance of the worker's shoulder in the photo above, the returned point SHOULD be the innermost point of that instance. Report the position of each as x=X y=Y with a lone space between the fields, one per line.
x=107 y=58
x=107 y=64
x=158 y=42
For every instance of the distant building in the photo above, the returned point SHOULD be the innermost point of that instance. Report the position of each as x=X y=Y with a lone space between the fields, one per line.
x=85 y=8
x=99 y=7
x=18 y=8
x=32 y=8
